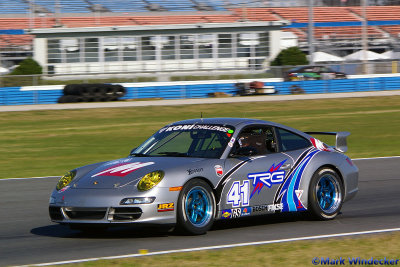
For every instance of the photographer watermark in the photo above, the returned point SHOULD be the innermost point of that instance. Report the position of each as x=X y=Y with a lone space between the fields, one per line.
x=354 y=261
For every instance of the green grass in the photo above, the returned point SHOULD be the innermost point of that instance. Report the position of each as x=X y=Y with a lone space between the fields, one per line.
x=39 y=143
x=297 y=254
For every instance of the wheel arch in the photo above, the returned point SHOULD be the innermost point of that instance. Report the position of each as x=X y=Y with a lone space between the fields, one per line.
x=214 y=190
x=305 y=182
x=183 y=223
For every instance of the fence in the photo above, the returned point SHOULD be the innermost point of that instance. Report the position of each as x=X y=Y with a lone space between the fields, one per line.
x=377 y=67
x=181 y=90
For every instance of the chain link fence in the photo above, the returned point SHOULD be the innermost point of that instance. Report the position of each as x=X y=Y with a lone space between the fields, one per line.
x=384 y=67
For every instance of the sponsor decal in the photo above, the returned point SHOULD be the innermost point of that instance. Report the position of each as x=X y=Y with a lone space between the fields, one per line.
x=268 y=178
x=187 y=127
x=299 y=193
x=229 y=133
x=219 y=170
x=236 y=213
x=191 y=171
x=165 y=207
x=226 y=214
x=246 y=211
x=267 y=207
x=320 y=145
x=122 y=169
x=231 y=142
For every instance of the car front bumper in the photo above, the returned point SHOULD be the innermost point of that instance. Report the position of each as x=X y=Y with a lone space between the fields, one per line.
x=103 y=207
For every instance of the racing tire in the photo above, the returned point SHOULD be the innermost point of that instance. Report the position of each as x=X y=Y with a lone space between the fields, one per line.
x=326 y=195
x=119 y=91
x=196 y=208
x=72 y=89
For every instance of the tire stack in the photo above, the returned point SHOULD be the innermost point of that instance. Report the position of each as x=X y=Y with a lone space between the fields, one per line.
x=92 y=92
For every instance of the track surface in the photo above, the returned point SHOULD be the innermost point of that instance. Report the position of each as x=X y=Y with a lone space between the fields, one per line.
x=27 y=236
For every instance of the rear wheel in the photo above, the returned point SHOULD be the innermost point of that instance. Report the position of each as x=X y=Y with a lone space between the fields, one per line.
x=196 y=208
x=325 y=196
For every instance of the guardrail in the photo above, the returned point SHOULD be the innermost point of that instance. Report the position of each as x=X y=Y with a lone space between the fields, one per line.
x=201 y=89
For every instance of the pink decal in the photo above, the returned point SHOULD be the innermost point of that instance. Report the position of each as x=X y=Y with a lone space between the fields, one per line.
x=64 y=189
x=122 y=169
x=349 y=161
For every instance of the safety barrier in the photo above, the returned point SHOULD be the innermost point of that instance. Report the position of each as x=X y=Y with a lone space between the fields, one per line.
x=179 y=90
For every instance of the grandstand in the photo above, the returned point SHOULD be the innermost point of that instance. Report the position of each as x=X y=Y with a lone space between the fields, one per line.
x=337 y=28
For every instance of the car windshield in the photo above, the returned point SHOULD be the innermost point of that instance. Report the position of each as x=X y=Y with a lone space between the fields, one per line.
x=187 y=140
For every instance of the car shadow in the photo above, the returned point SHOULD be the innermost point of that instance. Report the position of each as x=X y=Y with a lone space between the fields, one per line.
x=134 y=231
x=267 y=219
x=116 y=232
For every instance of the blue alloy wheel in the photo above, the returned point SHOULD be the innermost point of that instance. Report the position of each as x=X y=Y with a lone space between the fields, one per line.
x=328 y=193
x=198 y=207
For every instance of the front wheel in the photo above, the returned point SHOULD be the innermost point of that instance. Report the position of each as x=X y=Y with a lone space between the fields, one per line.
x=325 y=196
x=196 y=208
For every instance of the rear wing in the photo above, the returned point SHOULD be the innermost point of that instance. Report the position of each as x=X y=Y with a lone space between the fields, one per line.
x=341 y=139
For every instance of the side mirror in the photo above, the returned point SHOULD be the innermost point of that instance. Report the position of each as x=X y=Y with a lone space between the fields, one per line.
x=245 y=151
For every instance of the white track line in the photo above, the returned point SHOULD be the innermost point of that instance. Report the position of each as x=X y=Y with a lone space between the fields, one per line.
x=392 y=157
x=220 y=247
x=46 y=177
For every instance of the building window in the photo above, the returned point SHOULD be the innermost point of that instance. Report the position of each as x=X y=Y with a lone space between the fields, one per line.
x=53 y=51
x=224 y=45
x=205 y=44
x=186 y=49
x=130 y=48
x=262 y=50
x=167 y=45
x=91 y=49
x=148 y=47
x=245 y=43
x=111 y=49
x=71 y=50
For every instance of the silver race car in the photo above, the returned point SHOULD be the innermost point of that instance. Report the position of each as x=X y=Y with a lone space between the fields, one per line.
x=192 y=172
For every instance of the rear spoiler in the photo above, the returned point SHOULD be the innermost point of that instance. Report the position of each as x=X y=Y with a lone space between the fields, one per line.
x=341 y=139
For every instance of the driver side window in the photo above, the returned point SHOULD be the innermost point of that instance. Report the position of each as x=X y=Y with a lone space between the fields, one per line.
x=255 y=141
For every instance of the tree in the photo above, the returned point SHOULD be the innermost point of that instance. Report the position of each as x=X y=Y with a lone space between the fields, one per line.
x=26 y=67
x=291 y=56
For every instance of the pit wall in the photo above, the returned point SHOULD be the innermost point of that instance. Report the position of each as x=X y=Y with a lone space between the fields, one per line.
x=30 y=95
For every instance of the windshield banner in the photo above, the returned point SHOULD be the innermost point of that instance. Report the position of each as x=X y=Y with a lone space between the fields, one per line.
x=187 y=127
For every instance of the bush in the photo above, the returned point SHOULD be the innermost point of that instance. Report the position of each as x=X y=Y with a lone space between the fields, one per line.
x=27 y=67
x=291 y=56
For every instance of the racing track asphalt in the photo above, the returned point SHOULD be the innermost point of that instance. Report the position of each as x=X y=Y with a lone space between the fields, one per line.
x=28 y=237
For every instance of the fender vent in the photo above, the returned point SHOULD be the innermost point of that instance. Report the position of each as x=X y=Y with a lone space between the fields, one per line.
x=125 y=214
x=55 y=213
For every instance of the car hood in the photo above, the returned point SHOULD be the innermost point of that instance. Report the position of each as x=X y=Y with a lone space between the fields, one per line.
x=121 y=172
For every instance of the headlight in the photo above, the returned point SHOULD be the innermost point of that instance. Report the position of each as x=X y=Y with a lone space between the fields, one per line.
x=150 y=180
x=66 y=179
x=137 y=200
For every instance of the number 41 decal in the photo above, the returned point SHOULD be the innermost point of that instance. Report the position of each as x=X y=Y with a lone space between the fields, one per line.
x=238 y=195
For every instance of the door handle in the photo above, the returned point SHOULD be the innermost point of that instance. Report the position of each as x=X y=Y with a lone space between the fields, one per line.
x=286 y=166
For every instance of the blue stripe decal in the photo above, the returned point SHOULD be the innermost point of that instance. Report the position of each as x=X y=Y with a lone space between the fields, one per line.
x=292 y=183
x=290 y=197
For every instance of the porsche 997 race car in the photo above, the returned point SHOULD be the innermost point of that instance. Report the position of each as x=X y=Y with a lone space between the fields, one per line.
x=193 y=172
